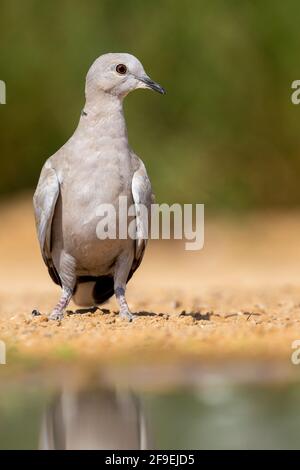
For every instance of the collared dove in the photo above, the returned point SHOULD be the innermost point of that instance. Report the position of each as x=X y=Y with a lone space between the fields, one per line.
x=96 y=166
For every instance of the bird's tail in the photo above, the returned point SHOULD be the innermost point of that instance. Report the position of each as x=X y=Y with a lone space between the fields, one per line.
x=92 y=290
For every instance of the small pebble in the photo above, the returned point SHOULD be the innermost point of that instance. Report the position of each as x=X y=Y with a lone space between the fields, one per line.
x=35 y=313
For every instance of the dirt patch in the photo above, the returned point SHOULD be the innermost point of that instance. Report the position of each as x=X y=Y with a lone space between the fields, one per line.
x=238 y=298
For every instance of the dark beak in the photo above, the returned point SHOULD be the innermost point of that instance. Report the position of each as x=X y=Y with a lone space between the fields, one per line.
x=153 y=85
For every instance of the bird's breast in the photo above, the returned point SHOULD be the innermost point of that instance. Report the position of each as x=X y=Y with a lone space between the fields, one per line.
x=87 y=190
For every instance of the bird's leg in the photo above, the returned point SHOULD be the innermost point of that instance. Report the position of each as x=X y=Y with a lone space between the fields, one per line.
x=58 y=311
x=124 y=309
x=122 y=268
x=65 y=266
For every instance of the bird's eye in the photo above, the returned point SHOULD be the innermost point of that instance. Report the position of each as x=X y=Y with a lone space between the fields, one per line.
x=121 y=69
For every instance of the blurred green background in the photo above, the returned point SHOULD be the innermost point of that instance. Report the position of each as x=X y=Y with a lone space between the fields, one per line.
x=222 y=416
x=226 y=134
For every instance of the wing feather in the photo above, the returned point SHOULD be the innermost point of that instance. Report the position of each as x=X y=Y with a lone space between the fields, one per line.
x=142 y=195
x=44 y=202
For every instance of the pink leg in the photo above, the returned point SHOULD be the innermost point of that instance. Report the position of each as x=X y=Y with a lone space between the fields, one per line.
x=58 y=311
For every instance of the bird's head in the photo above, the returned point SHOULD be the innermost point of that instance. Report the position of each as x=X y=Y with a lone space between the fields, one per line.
x=118 y=75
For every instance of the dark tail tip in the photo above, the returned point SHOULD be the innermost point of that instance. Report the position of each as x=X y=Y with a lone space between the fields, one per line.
x=103 y=289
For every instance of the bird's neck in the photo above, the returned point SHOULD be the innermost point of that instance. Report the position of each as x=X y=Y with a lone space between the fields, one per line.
x=103 y=116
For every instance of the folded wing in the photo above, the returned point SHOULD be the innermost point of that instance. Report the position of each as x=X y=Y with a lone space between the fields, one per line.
x=142 y=197
x=44 y=202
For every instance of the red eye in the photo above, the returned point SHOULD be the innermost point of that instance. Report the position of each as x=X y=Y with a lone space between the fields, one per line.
x=121 y=69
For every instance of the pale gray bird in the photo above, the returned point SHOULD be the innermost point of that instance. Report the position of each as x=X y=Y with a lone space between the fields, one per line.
x=94 y=167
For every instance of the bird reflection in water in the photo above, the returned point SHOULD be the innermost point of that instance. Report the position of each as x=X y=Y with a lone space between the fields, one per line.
x=94 y=419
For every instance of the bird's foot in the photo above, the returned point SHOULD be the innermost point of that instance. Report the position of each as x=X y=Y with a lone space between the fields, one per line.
x=126 y=315
x=56 y=315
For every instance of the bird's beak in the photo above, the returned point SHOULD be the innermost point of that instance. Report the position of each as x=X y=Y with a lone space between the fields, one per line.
x=153 y=85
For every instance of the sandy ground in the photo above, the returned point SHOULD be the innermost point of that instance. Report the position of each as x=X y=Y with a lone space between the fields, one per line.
x=238 y=298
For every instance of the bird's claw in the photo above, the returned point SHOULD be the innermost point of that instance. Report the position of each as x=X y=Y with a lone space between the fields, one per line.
x=56 y=315
x=126 y=315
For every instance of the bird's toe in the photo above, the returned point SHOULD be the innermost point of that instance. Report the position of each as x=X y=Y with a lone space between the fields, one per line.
x=56 y=315
x=126 y=315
